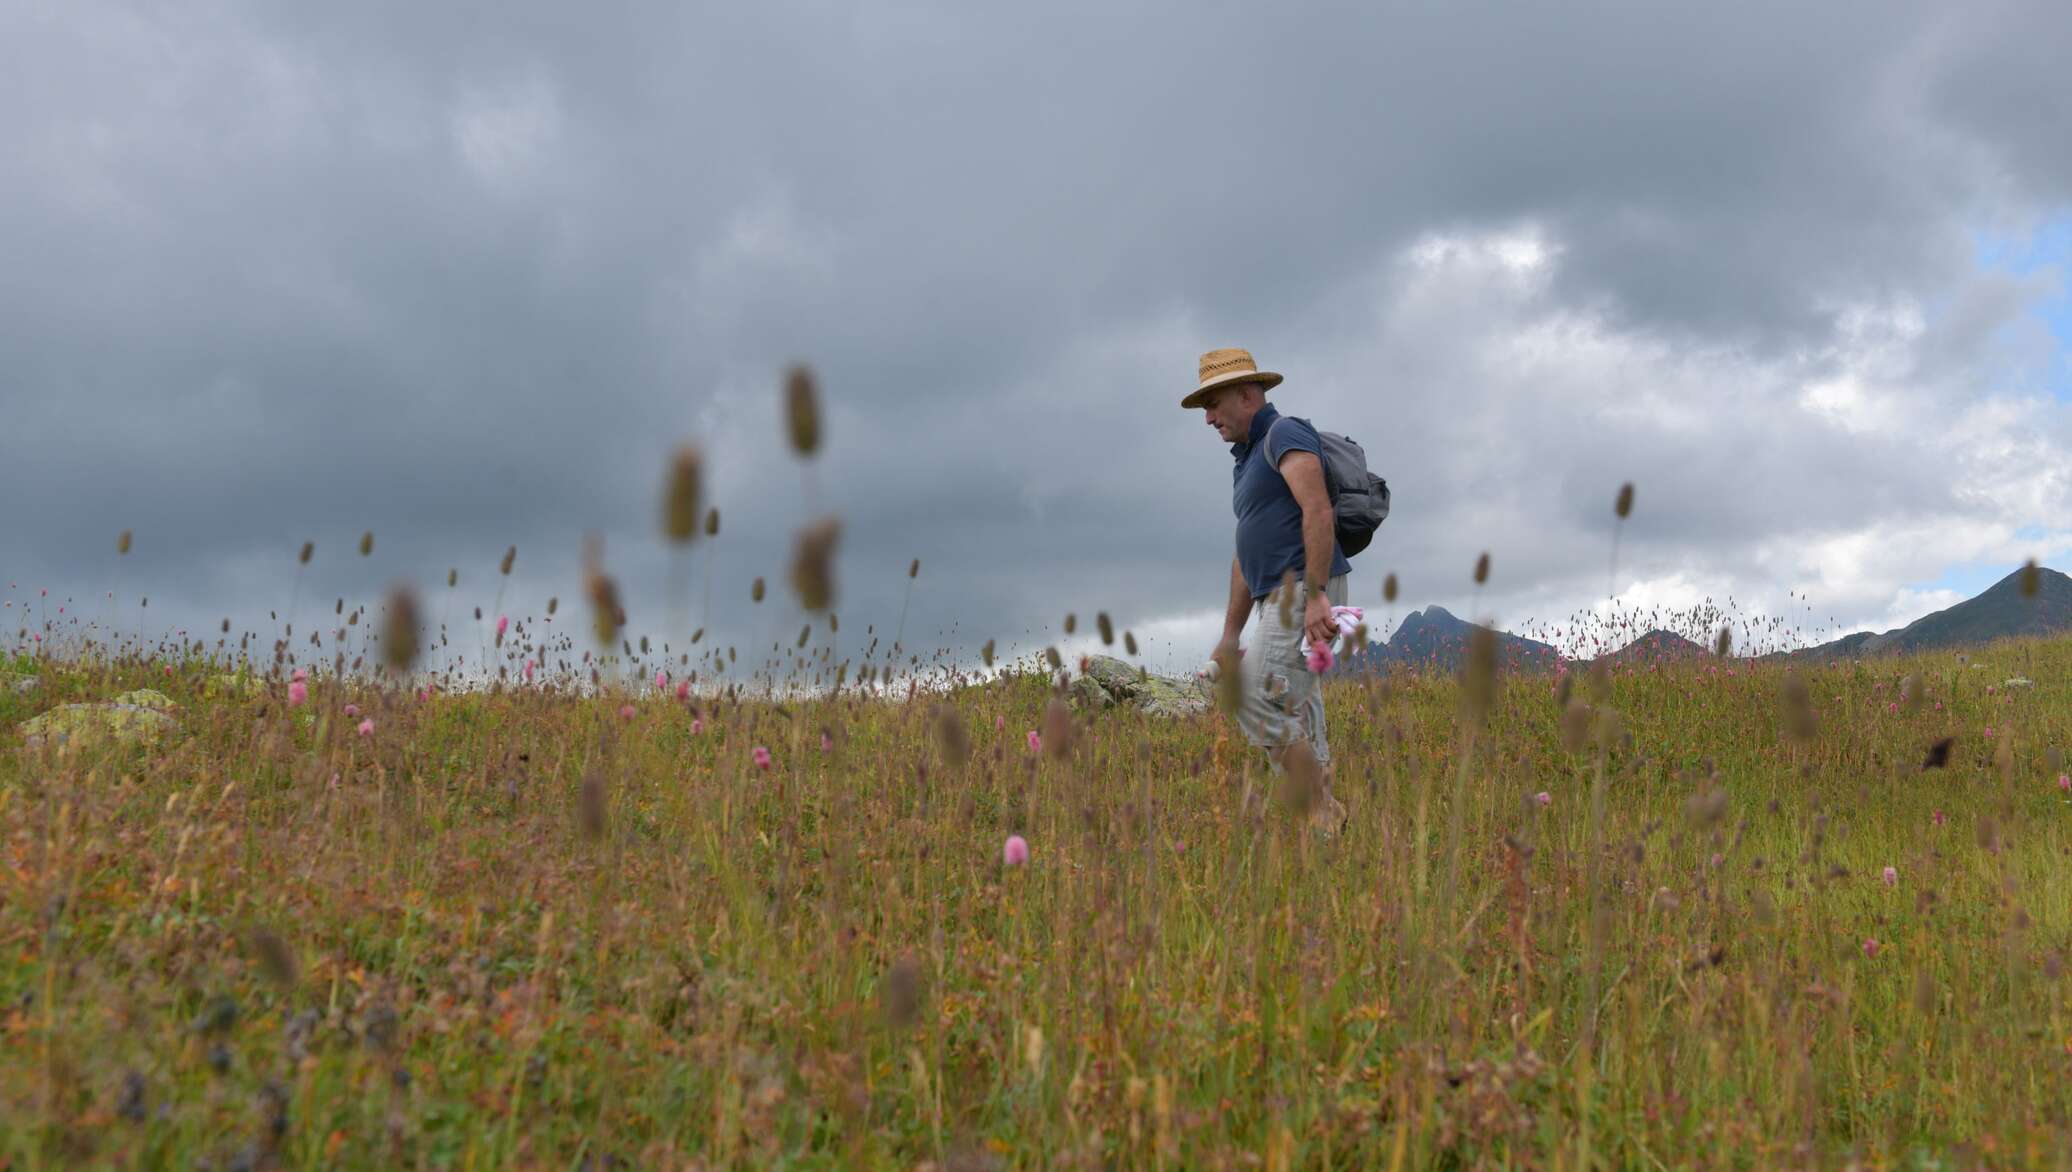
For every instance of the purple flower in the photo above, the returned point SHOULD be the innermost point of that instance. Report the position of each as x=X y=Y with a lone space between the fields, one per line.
x=1015 y=852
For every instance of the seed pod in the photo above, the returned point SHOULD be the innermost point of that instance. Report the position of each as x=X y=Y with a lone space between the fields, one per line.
x=308 y=548
x=914 y=569
x=986 y=653
x=1482 y=569
x=510 y=555
x=1624 y=505
x=1106 y=628
x=452 y=578
x=680 y=496
x=400 y=629
x=755 y=592
x=553 y=604
x=122 y=543
x=1071 y=623
x=802 y=410
x=606 y=614
x=367 y=543
x=1388 y=588
x=1478 y=676
x=812 y=563
x=1796 y=703
x=1129 y=642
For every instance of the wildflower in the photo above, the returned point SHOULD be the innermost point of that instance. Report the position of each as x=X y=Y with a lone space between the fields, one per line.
x=1319 y=658
x=2065 y=781
x=1892 y=876
x=697 y=725
x=1035 y=742
x=661 y=679
x=300 y=675
x=1938 y=818
x=626 y=711
x=352 y=710
x=1989 y=730
x=683 y=689
x=1016 y=852
x=503 y=623
x=827 y=743
x=528 y=671
x=1871 y=946
x=999 y=723
x=1543 y=798
x=762 y=757
x=297 y=693
x=367 y=728
x=1892 y=708
x=424 y=693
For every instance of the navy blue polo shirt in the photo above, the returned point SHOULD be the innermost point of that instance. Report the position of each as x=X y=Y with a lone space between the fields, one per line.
x=1269 y=520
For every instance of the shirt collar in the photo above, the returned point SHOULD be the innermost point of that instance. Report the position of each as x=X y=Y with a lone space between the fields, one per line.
x=1262 y=420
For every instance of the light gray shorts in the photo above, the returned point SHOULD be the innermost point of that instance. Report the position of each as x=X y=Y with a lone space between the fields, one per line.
x=1279 y=698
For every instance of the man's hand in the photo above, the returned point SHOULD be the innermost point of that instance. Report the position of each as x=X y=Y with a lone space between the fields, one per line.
x=1316 y=621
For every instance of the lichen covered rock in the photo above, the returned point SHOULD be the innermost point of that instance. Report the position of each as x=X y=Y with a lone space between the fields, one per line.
x=91 y=726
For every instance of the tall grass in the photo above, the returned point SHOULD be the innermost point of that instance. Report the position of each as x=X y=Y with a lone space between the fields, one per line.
x=518 y=928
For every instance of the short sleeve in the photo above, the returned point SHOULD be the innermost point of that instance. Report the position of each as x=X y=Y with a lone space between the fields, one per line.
x=1291 y=435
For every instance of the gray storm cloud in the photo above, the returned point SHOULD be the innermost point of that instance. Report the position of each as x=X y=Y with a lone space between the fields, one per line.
x=465 y=277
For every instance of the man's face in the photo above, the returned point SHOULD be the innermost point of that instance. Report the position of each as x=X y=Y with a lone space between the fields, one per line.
x=1230 y=409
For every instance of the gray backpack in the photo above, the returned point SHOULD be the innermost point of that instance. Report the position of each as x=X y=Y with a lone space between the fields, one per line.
x=1359 y=498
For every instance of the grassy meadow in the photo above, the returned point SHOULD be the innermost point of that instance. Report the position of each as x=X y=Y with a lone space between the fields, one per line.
x=542 y=928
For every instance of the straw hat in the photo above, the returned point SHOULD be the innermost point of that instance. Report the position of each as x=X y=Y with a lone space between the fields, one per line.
x=1221 y=368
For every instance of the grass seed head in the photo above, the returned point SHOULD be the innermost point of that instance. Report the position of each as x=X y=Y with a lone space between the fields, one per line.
x=1796 y=707
x=899 y=993
x=913 y=569
x=812 y=564
x=2032 y=579
x=401 y=629
x=1575 y=726
x=680 y=496
x=1057 y=728
x=1302 y=778
x=1388 y=588
x=1623 y=506
x=308 y=548
x=951 y=734
x=1106 y=628
x=367 y=543
x=276 y=959
x=986 y=653
x=591 y=803
x=1129 y=642
x=1482 y=569
x=802 y=410
x=510 y=556
x=1724 y=643
x=452 y=578
x=756 y=590
x=1478 y=676
x=122 y=543
x=712 y=522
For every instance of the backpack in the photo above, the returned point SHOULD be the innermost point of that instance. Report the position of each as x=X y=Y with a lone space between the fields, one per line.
x=1359 y=498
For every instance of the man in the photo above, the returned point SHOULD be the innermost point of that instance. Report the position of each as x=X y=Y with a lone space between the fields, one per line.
x=1286 y=541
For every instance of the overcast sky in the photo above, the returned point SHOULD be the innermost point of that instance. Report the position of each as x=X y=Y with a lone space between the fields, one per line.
x=465 y=274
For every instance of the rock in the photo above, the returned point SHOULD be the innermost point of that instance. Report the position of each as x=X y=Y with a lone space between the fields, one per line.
x=1108 y=681
x=85 y=726
x=2017 y=682
x=147 y=698
x=23 y=685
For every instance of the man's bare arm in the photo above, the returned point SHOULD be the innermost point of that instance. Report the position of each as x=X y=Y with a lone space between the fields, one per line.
x=1305 y=476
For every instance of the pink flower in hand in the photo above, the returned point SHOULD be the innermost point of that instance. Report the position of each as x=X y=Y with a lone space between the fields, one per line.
x=762 y=757
x=1015 y=852
x=1319 y=658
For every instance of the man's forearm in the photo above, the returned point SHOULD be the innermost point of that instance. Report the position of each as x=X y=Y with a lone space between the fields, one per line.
x=1240 y=607
x=1319 y=543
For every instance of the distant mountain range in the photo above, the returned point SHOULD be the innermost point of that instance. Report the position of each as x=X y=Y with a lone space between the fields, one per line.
x=1435 y=637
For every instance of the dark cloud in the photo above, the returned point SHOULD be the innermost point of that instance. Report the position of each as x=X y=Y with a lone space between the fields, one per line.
x=466 y=275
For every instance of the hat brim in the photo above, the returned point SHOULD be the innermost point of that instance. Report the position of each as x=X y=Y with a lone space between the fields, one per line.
x=1266 y=379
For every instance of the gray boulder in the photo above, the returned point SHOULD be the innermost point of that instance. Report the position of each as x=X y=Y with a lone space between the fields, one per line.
x=1108 y=682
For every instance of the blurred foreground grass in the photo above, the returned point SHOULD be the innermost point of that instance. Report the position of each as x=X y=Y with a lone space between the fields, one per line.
x=523 y=929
